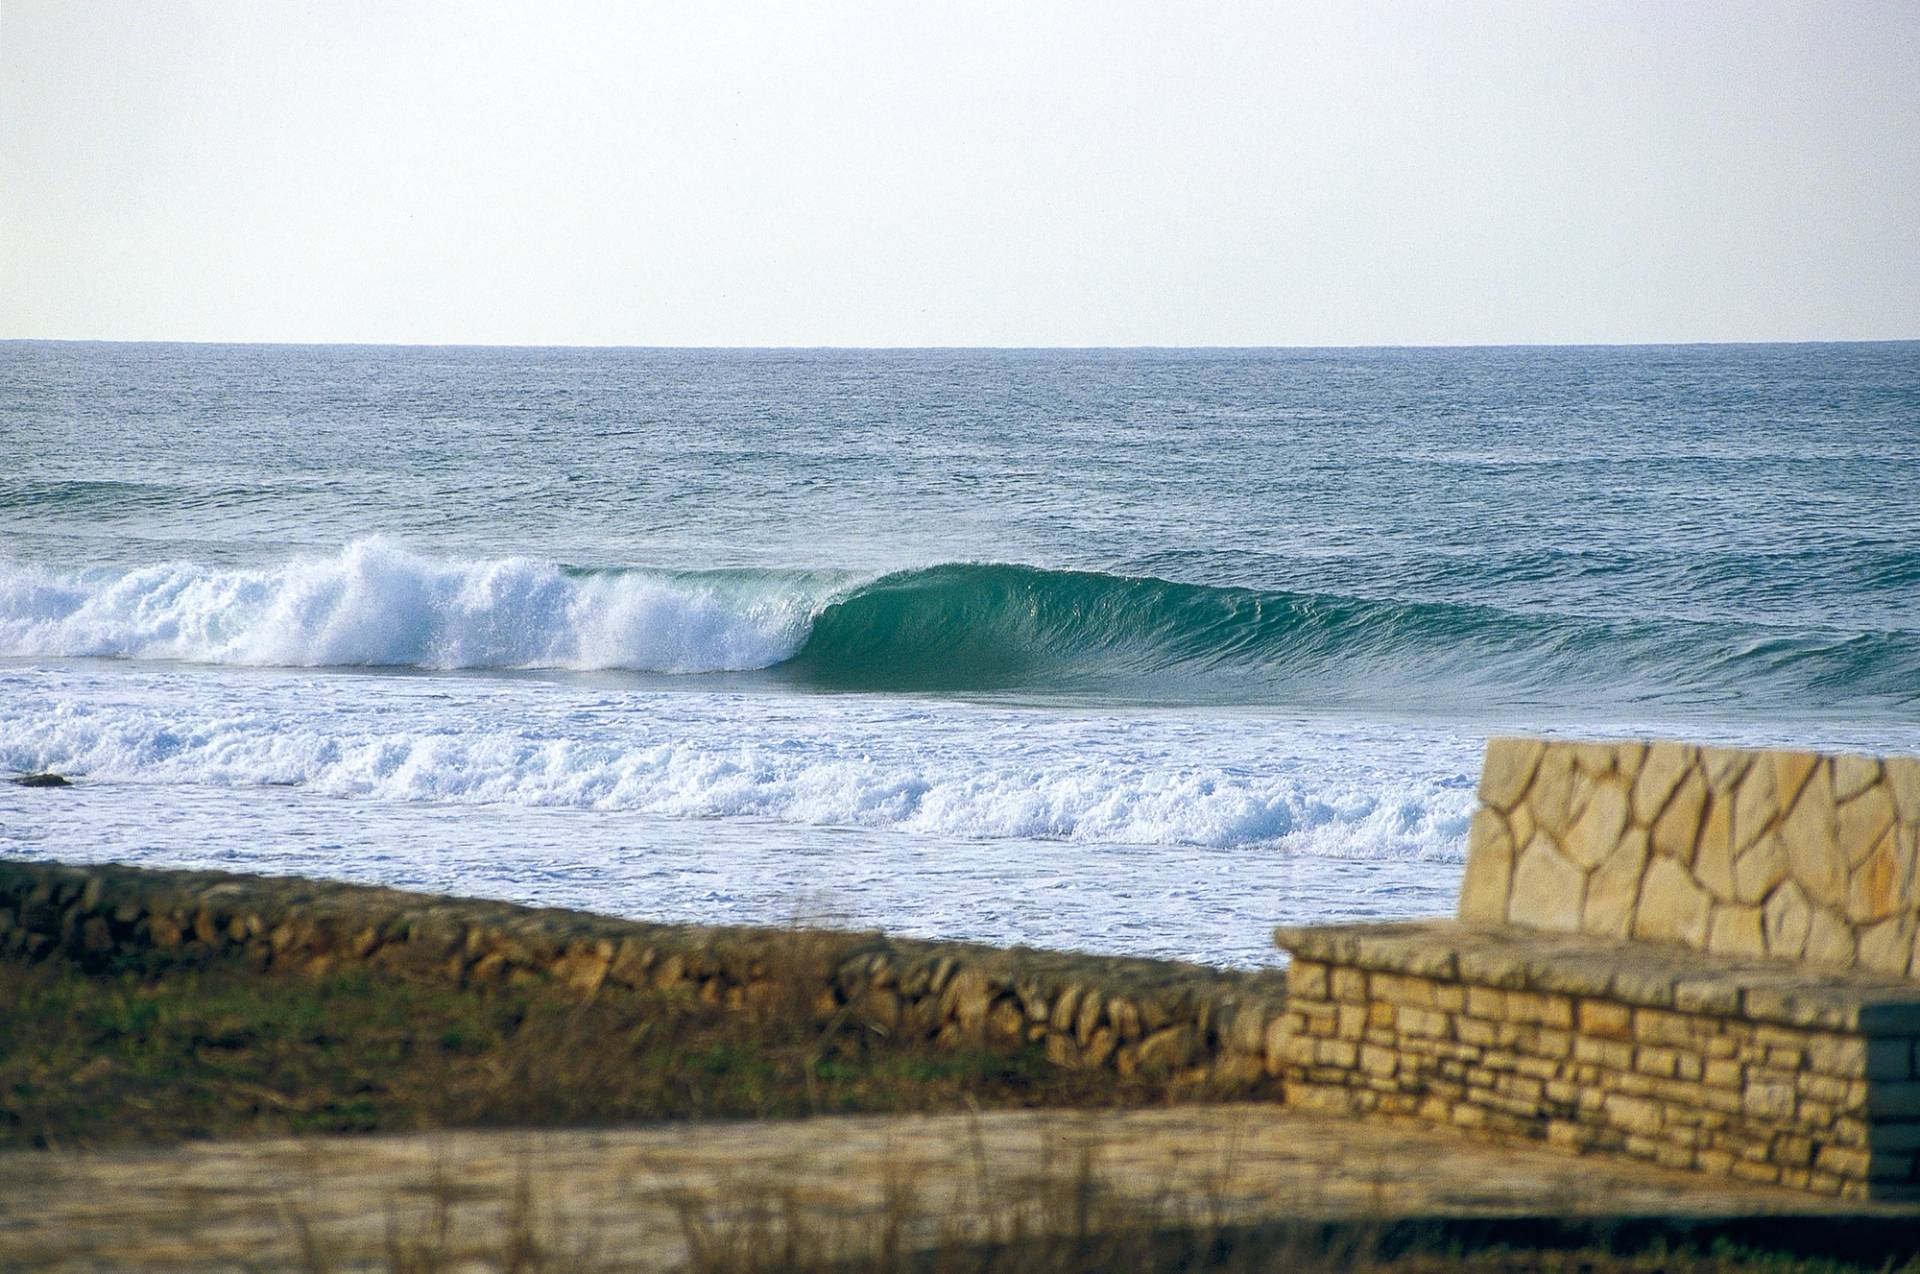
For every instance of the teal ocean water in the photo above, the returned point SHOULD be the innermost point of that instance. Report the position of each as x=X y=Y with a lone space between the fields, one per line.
x=1136 y=650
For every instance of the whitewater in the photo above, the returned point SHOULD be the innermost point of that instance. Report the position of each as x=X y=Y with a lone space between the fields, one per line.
x=1138 y=651
x=375 y=604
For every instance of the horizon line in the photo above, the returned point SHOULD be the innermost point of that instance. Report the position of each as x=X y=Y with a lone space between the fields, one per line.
x=980 y=348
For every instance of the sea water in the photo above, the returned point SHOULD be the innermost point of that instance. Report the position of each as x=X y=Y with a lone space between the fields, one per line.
x=1133 y=651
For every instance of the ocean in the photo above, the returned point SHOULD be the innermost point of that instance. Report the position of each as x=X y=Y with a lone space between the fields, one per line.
x=1137 y=651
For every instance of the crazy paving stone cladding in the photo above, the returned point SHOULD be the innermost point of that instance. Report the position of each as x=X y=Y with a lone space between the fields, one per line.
x=1786 y=854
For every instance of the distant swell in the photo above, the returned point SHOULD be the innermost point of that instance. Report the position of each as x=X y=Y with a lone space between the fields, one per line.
x=957 y=627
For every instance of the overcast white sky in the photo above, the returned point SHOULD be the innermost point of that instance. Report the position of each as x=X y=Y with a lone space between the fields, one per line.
x=931 y=174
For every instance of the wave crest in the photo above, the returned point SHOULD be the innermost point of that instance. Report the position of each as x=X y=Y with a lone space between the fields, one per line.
x=951 y=627
x=378 y=605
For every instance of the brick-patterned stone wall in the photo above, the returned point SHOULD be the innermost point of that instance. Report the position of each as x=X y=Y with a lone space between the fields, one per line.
x=1585 y=1044
x=1705 y=957
x=1190 y=1024
x=1791 y=855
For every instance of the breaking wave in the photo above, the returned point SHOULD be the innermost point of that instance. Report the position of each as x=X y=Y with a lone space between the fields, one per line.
x=954 y=627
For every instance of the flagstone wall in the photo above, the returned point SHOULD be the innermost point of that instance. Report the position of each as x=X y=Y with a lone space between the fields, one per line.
x=1790 y=855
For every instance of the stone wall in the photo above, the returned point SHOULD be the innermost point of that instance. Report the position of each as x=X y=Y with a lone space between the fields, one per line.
x=1761 y=1072
x=1791 y=855
x=1191 y=1024
x=1704 y=957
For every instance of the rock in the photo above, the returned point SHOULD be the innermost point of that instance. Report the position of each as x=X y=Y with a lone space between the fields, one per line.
x=1755 y=805
x=40 y=780
x=1489 y=875
x=1065 y=1008
x=1885 y=947
x=1903 y=780
x=1006 y=1022
x=966 y=1000
x=1033 y=1000
x=1167 y=1049
x=1666 y=764
x=1713 y=866
x=1736 y=930
x=1596 y=759
x=630 y=963
x=1880 y=883
x=1725 y=766
x=1507 y=770
x=1672 y=907
x=1760 y=869
x=1716 y=836
x=1678 y=828
x=880 y=1008
x=1853 y=775
x=1092 y=1010
x=1247 y=1032
x=1831 y=939
x=1598 y=828
x=1813 y=847
x=1791 y=770
x=1860 y=820
x=164 y=932
x=1548 y=890
x=1274 y=1052
x=1614 y=887
x=1551 y=795
x=1789 y=917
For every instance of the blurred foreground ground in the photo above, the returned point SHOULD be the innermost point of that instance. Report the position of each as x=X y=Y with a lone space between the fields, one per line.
x=784 y=1193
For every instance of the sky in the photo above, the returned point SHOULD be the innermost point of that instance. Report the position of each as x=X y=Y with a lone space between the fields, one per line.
x=820 y=173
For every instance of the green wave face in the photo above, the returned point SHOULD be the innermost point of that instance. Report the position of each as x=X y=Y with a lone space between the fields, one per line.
x=986 y=627
x=1004 y=628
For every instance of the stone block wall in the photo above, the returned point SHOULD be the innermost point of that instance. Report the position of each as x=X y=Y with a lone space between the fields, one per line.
x=1591 y=1050
x=1190 y=1024
x=1789 y=855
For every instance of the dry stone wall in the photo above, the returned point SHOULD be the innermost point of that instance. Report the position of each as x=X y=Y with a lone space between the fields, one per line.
x=1191 y=1024
x=1790 y=855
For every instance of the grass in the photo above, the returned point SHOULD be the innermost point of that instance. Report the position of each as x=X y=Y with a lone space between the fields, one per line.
x=165 y=1052
x=158 y=1052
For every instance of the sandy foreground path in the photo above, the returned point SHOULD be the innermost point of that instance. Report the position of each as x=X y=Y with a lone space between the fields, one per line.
x=647 y=1197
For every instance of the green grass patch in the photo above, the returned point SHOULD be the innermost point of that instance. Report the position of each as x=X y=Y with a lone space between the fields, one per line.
x=160 y=1052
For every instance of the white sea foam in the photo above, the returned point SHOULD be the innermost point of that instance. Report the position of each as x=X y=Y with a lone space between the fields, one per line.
x=958 y=772
x=376 y=604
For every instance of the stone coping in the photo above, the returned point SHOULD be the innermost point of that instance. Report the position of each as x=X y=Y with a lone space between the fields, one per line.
x=1643 y=974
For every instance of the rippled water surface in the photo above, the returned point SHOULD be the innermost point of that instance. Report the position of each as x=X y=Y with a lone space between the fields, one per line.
x=1131 y=650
